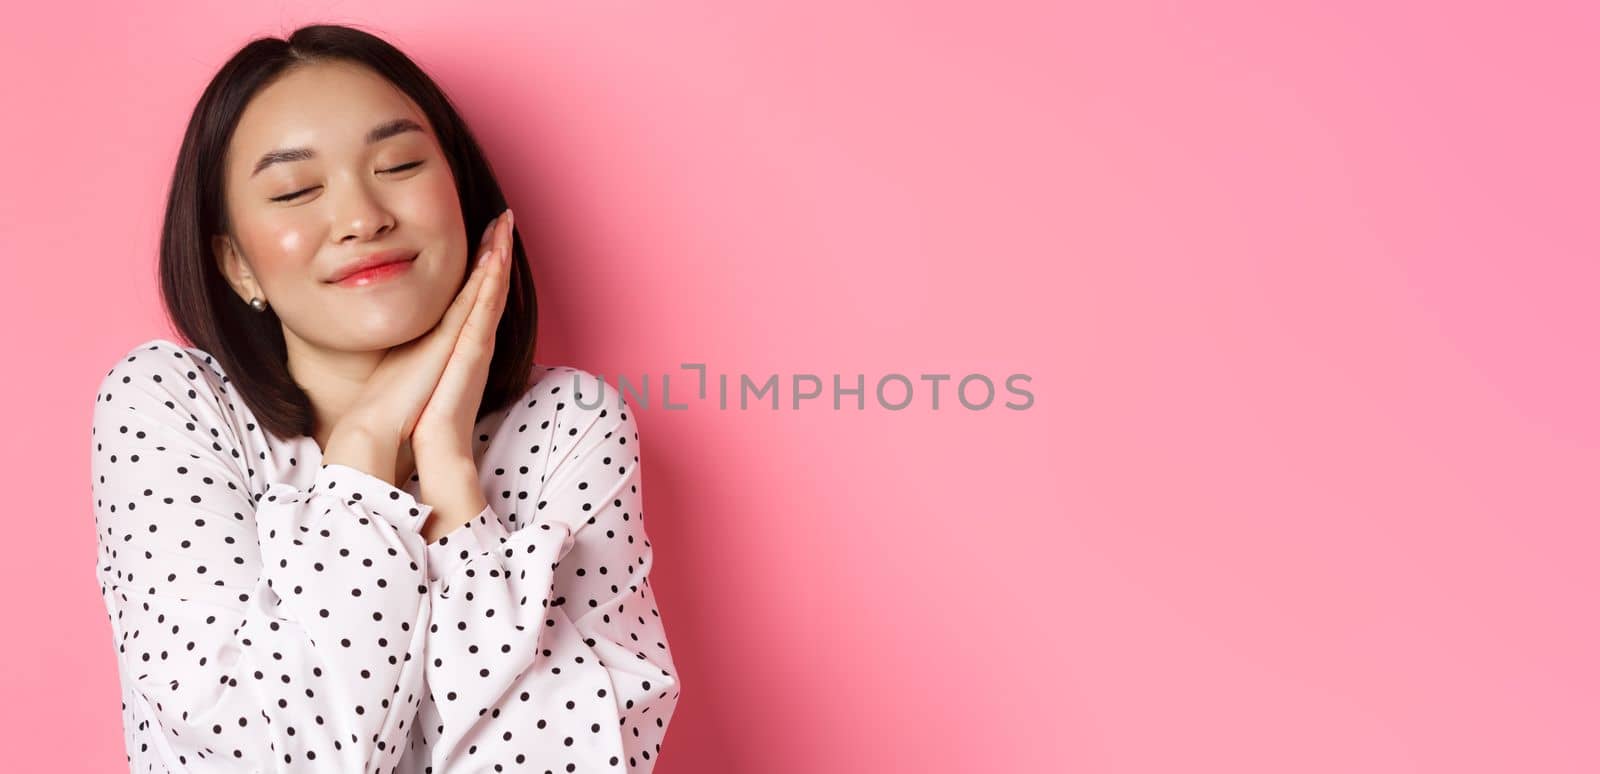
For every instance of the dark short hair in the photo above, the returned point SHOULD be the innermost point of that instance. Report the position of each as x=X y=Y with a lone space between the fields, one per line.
x=249 y=345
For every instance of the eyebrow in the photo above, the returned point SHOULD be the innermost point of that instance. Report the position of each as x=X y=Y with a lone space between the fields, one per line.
x=378 y=133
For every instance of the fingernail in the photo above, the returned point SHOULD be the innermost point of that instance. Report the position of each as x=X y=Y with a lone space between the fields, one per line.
x=511 y=218
x=484 y=259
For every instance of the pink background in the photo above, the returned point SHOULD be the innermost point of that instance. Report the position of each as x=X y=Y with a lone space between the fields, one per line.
x=1307 y=296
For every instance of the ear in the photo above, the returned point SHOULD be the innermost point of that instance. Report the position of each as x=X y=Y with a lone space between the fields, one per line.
x=234 y=268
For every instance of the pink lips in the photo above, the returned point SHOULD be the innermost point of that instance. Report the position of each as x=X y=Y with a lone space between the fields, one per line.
x=375 y=274
x=371 y=260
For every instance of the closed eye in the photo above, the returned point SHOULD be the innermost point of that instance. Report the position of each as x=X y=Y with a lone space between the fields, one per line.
x=297 y=194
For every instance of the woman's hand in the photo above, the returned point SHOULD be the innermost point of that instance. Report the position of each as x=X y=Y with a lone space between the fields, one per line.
x=394 y=397
x=441 y=441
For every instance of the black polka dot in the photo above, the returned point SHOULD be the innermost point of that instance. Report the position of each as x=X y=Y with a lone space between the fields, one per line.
x=242 y=581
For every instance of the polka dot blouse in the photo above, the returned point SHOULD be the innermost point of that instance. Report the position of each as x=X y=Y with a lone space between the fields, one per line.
x=272 y=613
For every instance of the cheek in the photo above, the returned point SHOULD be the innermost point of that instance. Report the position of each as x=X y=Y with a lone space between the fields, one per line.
x=432 y=203
x=433 y=213
x=291 y=241
x=280 y=247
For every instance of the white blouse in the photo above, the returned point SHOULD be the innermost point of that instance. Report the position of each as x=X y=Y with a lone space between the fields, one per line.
x=273 y=613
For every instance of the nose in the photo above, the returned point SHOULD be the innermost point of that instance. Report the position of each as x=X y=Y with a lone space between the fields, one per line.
x=360 y=216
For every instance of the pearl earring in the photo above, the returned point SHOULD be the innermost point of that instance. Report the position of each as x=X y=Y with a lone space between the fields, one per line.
x=258 y=304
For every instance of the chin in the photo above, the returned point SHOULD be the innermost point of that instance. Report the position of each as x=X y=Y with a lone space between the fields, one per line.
x=385 y=328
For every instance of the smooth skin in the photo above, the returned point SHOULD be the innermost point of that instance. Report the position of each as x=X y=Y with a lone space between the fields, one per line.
x=394 y=370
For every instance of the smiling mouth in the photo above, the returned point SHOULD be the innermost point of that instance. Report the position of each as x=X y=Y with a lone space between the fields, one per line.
x=376 y=274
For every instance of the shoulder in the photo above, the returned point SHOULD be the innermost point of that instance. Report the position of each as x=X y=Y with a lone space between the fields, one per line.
x=163 y=389
x=574 y=399
x=165 y=372
x=162 y=359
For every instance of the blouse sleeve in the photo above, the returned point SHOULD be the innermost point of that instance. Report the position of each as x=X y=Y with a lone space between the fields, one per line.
x=274 y=632
x=545 y=646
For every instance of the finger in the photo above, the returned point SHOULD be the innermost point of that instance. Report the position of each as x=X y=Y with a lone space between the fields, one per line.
x=488 y=260
x=502 y=232
x=503 y=267
x=487 y=240
x=486 y=244
x=503 y=270
x=455 y=316
x=484 y=264
x=509 y=243
x=469 y=291
x=485 y=315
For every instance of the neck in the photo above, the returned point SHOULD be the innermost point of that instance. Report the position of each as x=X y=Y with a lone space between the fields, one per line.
x=333 y=380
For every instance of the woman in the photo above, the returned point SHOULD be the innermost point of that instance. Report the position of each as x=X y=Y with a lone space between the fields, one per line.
x=353 y=526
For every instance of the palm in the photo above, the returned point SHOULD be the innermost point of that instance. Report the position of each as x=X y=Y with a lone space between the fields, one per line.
x=444 y=428
x=443 y=431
